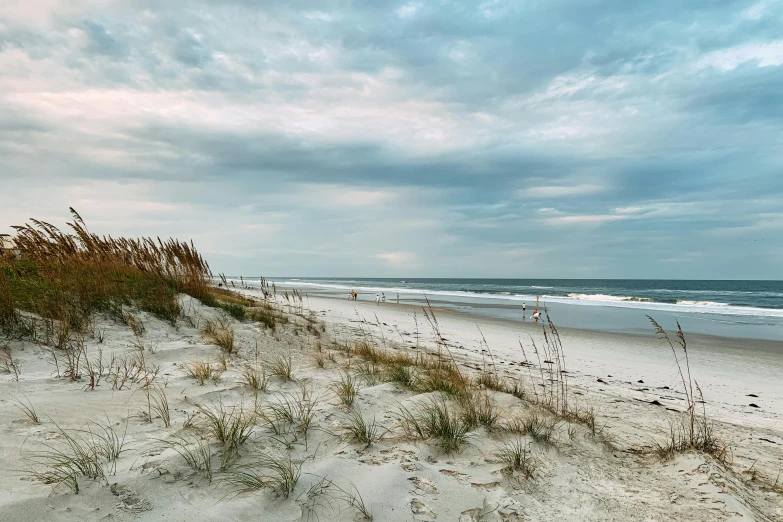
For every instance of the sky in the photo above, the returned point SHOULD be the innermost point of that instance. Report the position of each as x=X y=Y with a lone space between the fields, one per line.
x=490 y=138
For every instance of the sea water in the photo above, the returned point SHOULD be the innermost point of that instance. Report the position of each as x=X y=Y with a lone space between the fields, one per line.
x=741 y=309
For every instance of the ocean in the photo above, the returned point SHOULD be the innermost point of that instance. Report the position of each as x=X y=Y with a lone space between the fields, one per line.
x=727 y=308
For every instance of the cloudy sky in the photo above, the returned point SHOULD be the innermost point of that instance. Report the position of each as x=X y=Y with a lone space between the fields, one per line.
x=491 y=138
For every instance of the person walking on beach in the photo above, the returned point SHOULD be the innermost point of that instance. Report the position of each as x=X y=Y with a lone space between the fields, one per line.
x=398 y=298
x=377 y=299
x=536 y=315
x=524 y=311
x=383 y=296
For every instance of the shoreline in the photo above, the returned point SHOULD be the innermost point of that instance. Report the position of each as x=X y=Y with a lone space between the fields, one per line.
x=725 y=322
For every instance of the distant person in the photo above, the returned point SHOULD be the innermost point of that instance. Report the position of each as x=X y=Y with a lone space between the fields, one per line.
x=524 y=311
x=398 y=298
x=536 y=316
x=377 y=299
x=383 y=296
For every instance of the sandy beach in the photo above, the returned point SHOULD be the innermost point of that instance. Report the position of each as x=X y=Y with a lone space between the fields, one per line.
x=630 y=382
x=391 y=261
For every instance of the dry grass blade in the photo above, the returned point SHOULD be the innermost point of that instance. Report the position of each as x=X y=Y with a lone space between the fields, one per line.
x=196 y=453
x=442 y=377
x=478 y=409
x=696 y=432
x=65 y=278
x=362 y=431
x=202 y=371
x=80 y=453
x=370 y=371
x=290 y=412
x=517 y=459
x=354 y=499
x=282 y=366
x=160 y=405
x=346 y=389
x=28 y=410
x=255 y=378
x=436 y=419
x=279 y=474
x=401 y=374
x=231 y=427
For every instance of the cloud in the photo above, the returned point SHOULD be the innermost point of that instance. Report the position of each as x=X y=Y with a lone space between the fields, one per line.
x=764 y=54
x=397 y=258
x=408 y=10
x=440 y=132
x=583 y=219
x=555 y=191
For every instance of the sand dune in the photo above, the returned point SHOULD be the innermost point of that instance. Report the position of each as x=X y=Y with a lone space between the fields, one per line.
x=579 y=475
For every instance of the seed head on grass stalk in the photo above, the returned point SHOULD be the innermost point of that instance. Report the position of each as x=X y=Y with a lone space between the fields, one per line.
x=698 y=432
x=685 y=376
x=66 y=278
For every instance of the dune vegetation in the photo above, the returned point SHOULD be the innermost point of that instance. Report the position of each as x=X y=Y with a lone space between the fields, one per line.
x=241 y=395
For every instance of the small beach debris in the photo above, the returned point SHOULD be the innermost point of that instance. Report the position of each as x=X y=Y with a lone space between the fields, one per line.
x=751 y=395
x=656 y=403
x=753 y=405
x=640 y=381
x=601 y=381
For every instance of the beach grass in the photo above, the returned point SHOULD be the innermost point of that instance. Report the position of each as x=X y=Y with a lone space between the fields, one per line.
x=517 y=459
x=436 y=418
x=362 y=431
x=346 y=389
x=282 y=366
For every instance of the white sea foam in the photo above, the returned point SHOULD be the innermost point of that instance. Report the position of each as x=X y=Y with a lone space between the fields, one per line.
x=684 y=306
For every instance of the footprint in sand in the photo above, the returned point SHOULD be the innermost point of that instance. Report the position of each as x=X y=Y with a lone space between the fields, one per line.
x=128 y=500
x=461 y=477
x=421 y=512
x=410 y=463
x=423 y=486
x=507 y=510
x=487 y=486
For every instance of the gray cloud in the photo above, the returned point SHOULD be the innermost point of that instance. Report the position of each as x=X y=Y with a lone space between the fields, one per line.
x=425 y=138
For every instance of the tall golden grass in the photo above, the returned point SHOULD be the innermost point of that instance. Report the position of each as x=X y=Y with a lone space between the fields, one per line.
x=64 y=278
